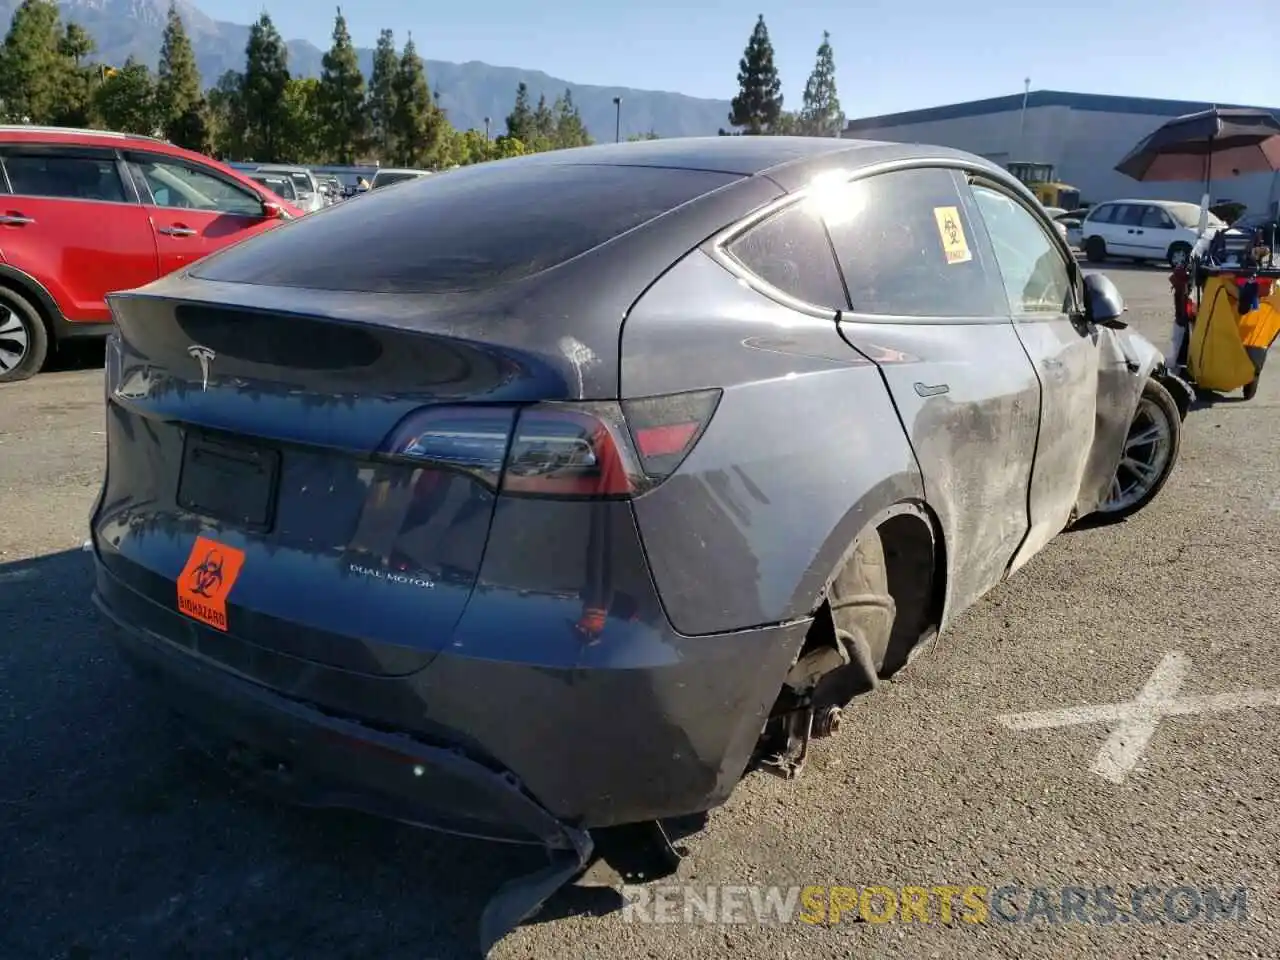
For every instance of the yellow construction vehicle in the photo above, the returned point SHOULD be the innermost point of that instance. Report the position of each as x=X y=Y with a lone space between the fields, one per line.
x=1040 y=180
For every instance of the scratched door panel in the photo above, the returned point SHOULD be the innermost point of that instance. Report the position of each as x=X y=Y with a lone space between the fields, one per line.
x=928 y=307
x=1041 y=283
x=969 y=401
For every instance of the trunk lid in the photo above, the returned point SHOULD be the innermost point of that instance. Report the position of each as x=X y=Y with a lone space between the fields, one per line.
x=244 y=487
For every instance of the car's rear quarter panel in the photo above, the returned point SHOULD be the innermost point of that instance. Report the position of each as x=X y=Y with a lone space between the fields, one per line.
x=804 y=449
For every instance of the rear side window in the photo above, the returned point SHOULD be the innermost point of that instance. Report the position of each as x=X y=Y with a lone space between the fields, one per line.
x=907 y=247
x=64 y=177
x=790 y=251
x=1130 y=214
x=462 y=230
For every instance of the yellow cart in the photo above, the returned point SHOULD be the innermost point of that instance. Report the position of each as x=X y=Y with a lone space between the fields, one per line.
x=1227 y=349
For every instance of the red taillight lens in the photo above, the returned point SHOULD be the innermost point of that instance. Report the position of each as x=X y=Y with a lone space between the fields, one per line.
x=591 y=450
x=572 y=450
x=667 y=428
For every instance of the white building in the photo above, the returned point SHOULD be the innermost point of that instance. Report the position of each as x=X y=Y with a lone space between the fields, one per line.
x=1083 y=135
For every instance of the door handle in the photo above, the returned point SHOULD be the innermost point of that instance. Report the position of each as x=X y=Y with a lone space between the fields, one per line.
x=15 y=220
x=935 y=390
x=177 y=231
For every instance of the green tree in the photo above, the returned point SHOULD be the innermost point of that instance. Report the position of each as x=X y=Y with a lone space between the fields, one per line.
x=508 y=146
x=228 y=125
x=636 y=137
x=180 y=104
x=758 y=104
x=341 y=98
x=305 y=138
x=820 y=114
x=126 y=100
x=76 y=44
x=266 y=80
x=418 y=124
x=544 y=126
x=520 y=119
x=32 y=67
x=570 y=130
x=382 y=95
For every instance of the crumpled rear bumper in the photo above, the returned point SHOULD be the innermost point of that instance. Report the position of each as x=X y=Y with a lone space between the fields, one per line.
x=313 y=758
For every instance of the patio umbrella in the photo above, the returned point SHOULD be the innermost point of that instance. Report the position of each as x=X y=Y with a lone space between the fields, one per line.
x=1224 y=141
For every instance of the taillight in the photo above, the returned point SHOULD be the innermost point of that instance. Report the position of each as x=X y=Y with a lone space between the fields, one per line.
x=571 y=450
x=471 y=440
x=666 y=428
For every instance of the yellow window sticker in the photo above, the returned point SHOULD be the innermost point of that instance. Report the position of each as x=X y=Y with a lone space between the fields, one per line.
x=954 y=245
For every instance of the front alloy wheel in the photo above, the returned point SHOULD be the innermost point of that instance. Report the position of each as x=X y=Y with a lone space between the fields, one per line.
x=1150 y=451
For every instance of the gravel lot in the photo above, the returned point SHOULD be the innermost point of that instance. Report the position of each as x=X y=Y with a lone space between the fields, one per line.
x=118 y=842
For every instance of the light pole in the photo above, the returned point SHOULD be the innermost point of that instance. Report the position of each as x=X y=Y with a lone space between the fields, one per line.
x=1022 y=119
x=486 y=129
x=617 y=119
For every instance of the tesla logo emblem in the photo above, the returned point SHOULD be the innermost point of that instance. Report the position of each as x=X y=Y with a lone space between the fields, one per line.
x=204 y=356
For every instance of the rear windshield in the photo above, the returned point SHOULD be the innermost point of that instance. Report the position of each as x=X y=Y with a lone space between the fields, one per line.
x=386 y=179
x=465 y=229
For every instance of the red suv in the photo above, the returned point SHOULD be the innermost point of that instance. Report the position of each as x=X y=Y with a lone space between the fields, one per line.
x=84 y=213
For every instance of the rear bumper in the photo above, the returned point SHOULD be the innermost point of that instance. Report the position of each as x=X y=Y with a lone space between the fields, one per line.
x=317 y=759
x=510 y=751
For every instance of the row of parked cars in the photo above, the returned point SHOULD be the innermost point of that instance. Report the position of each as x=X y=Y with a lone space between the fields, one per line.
x=88 y=212
x=313 y=191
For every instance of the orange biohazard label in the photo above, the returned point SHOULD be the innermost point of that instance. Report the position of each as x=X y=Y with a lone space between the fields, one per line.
x=206 y=581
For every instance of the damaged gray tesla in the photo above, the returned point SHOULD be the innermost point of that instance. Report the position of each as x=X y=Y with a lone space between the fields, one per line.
x=553 y=494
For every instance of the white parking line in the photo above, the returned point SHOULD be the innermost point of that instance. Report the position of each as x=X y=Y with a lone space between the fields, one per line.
x=1135 y=722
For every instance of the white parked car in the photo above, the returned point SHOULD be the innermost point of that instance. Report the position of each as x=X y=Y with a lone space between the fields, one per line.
x=1143 y=230
x=310 y=198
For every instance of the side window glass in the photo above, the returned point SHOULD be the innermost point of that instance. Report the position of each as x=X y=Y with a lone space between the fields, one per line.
x=1035 y=273
x=790 y=251
x=1157 y=219
x=906 y=246
x=175 y=184
x=1131 y=215
x=69 y=178
x=1104 y=214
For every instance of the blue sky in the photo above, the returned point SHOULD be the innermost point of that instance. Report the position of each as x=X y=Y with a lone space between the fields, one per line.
x=889 y=56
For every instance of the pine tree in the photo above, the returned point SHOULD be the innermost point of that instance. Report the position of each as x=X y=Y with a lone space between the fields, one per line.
x=266 y=79
x=126 y=100
x=544 y=125
x=418 y=125
x=76 y=43
x=341 y=97
x=820 y=114
x=570 y=130
x=227 y=122
x=758 y=104
x=180 y=106
x=32 y=69
x=520 y=119
x=382 y=95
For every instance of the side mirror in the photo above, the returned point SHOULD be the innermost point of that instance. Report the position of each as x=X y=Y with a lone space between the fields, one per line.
x=272 y=211
x=1103 y=304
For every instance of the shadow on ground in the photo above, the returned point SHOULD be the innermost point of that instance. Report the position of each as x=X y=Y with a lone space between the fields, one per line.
x=121 y=841
x=88 y=354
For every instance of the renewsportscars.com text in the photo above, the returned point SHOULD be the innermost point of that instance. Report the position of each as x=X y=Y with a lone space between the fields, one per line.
x=938 y=903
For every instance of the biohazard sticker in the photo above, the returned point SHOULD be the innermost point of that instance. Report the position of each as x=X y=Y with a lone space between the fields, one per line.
x=206 y=581
x=954 y=245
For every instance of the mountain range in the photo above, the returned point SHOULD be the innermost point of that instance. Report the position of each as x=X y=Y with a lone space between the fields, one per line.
x=468 y=91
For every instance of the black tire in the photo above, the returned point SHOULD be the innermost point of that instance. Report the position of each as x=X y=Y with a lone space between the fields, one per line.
x=24 y=342
x=1155 y=403
x=861 y=605
x=1095 y=248
x=1178 y=253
